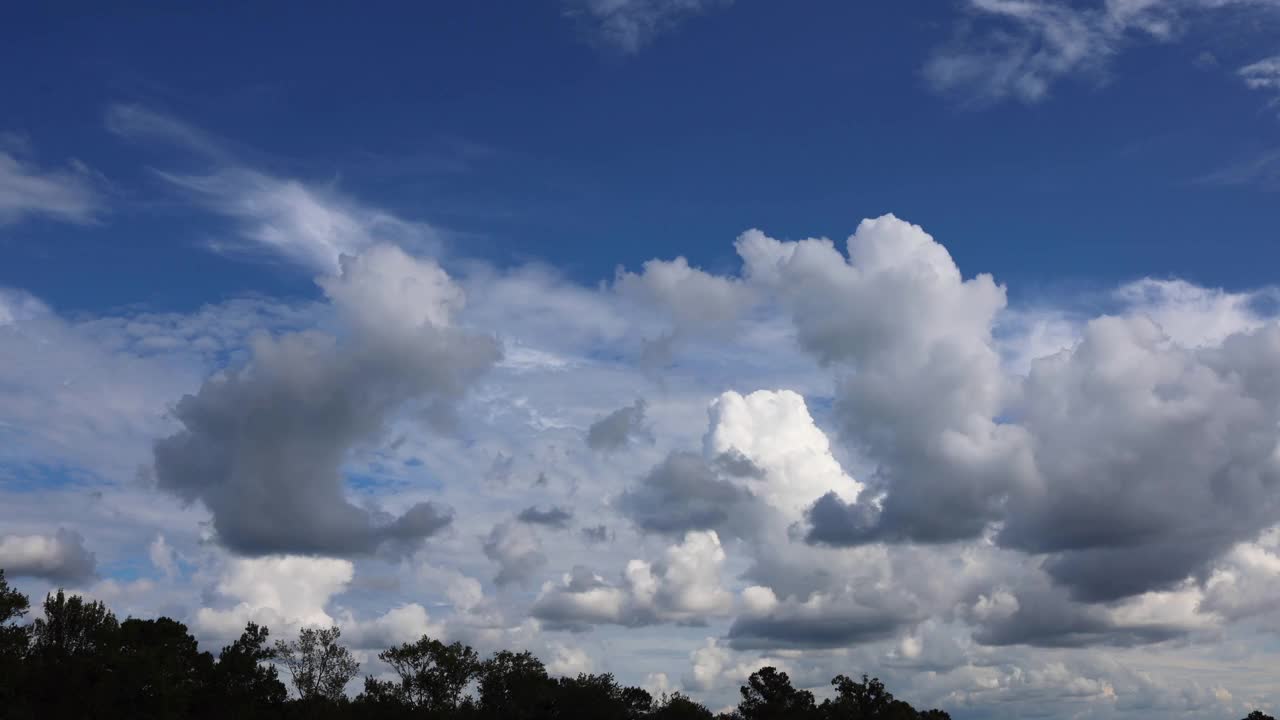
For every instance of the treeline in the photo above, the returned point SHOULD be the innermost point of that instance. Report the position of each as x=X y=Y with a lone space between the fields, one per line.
x=78 y=661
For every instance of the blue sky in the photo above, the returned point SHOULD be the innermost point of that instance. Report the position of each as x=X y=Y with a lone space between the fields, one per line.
x=518 y=324
x=510 y=127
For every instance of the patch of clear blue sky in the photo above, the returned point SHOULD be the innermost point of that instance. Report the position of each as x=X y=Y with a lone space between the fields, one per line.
x=495 y=119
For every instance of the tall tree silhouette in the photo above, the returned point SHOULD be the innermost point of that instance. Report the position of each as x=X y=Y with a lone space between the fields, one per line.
x=516 y=686
x=243 y=682
x=319 y=666
x=13 y=641
x=157 y=670
x=768 y=695
x=432 y=674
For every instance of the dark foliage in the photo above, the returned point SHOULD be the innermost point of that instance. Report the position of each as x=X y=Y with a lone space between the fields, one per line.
x=78 y=662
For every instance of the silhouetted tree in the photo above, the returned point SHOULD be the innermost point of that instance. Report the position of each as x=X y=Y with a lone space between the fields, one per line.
x=432 y=674
x=72 y=627
x=600 y=697
x=157 y=669
x=768 y=695
x=319 y=666
x=516 y=686
x=243 y=684
x=69 y=669
x=1259 y=715
x=679 y=707
x=13 y=642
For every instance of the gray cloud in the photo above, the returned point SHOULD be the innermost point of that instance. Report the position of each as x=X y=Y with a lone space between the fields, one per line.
x=920 y=379
x=1130 y=461
x=597 y=534
x=1154 y=459
x=1044 y=618
x=263 y=446
x=832 y=629
x=60 y=557
x=682 y=493
x=554 y=516
x=516 y=550
x=619 y=428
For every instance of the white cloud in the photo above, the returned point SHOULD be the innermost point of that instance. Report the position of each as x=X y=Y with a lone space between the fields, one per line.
x=685 y=586
x=308 y=224
x=774 y=431
x=163 y=557
x=69 y=195
x=1029 y=45
x=1263 y=74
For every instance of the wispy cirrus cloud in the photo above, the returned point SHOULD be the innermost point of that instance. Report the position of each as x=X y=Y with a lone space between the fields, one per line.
x=308 y=224
x=69 y=194
x=629 y=25
x=1018 y=49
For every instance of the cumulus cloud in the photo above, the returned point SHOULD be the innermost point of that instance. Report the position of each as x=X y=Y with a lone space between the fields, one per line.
x=921 y=383
x=1025 y=46
x=262 y=446
x=821 y=621
x=286 y=593
x=628 y=25
x=1131 y=460
x=619 y=428
x=693 y=299
x=770 y=442
x=684 y=587
x=1152 y=459
x=26 y=190
x=60 y=557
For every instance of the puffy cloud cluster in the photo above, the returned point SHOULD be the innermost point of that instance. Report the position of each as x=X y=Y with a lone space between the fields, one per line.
x=684 y=587
x=1152 y=460
x=1131 y=460
x=288 y=592
x=1029 y=485
x=922 y=380
x=263 y=446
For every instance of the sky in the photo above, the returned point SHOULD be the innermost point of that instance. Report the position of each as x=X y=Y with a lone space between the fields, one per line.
x=932 y=339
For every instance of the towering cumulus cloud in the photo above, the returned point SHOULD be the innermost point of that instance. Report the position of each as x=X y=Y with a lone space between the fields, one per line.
x=1130 y=461
x=921 y=380
x=262 y=446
